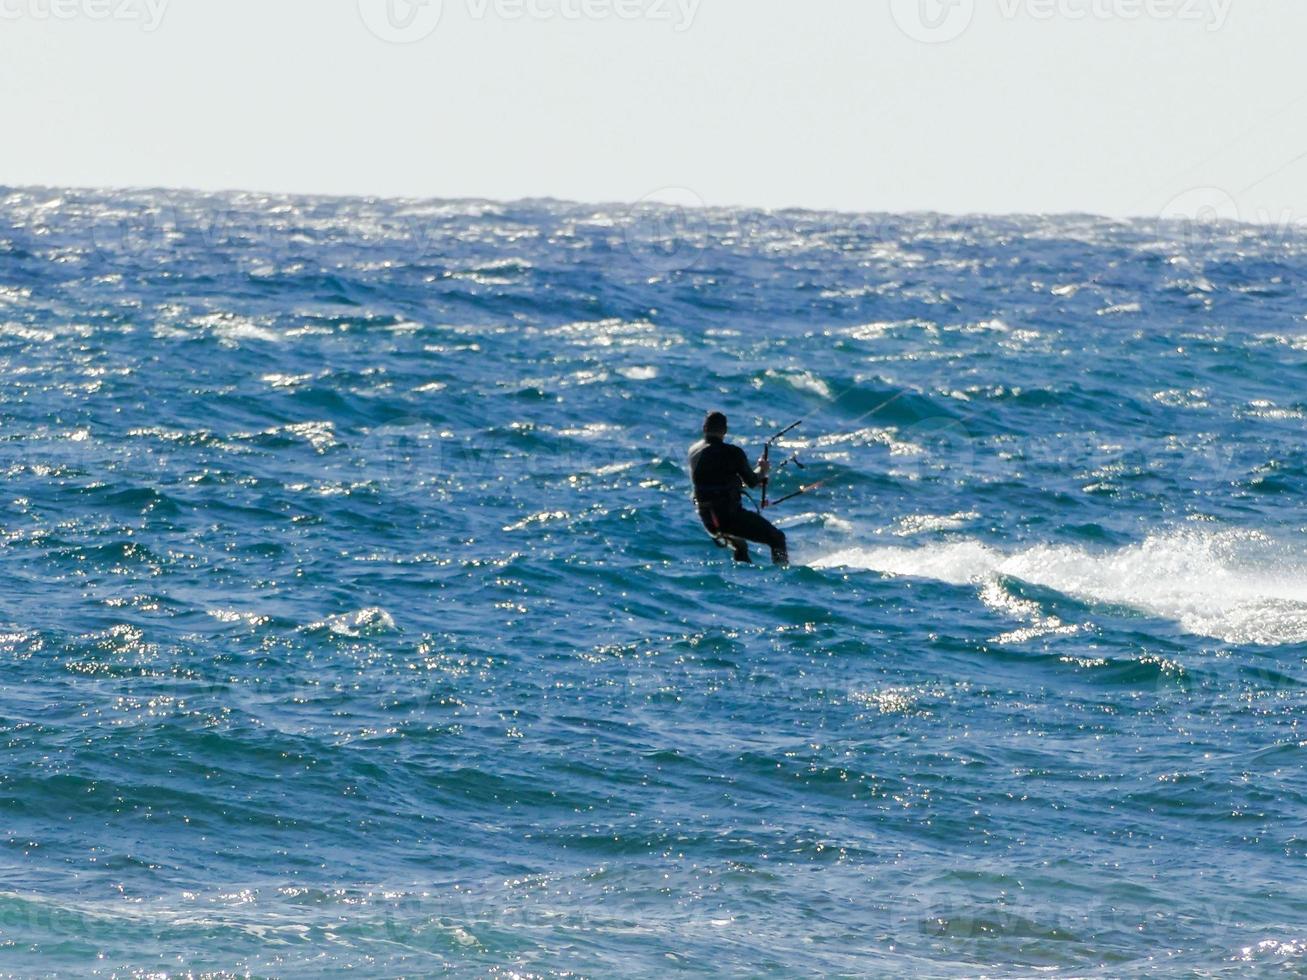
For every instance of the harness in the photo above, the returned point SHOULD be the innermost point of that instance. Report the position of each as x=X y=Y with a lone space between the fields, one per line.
x=719 y=537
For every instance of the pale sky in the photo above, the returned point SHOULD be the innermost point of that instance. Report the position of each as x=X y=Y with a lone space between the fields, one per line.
x=1108 y=106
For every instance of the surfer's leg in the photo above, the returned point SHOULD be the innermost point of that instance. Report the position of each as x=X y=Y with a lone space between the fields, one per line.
x=755 y=527
x=741 y=550
x=780 y=550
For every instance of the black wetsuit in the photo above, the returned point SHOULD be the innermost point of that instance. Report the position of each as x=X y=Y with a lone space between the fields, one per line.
x=719 y=470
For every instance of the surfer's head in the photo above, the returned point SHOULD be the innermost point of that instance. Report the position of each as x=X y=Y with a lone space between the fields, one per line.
x=714 y=426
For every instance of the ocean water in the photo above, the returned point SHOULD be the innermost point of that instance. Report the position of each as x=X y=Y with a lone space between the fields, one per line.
x=355 y=617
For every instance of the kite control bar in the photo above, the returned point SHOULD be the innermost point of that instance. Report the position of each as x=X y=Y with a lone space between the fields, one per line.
x=766 y=455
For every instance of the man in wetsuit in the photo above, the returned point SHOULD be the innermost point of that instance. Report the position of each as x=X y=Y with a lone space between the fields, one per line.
x=719 y=470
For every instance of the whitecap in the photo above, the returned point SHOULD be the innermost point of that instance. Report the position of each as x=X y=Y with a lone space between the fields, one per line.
x=1236 y=586
x=1121 y=309
x=804 y=381
x=374 y=619
x=927 y=523
x=638 y=373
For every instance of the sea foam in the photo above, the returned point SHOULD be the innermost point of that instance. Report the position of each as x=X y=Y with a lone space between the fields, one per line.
x=1236 y=586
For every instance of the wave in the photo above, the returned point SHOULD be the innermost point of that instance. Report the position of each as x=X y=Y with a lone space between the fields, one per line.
x=1241 y=587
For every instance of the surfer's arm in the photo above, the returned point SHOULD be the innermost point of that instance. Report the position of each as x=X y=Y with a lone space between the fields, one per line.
x=750 y=478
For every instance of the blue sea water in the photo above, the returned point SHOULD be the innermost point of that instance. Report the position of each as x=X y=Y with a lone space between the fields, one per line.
x=356 y=619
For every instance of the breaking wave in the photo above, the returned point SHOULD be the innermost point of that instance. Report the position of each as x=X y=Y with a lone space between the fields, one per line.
x=1236 y=586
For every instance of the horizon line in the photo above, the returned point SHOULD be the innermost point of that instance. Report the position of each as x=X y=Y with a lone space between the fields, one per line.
x=647 y=201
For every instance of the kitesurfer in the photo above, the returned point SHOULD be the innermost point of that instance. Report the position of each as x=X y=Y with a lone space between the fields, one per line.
x=720 y=471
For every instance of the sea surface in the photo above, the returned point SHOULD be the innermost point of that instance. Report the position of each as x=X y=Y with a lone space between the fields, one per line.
x=356 y=618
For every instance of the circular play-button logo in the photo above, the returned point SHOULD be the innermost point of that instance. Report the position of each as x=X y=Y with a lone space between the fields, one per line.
x=1201 y=215
x=933 y=21
x=403 y=456
x=666 y=231
x=401 y=21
